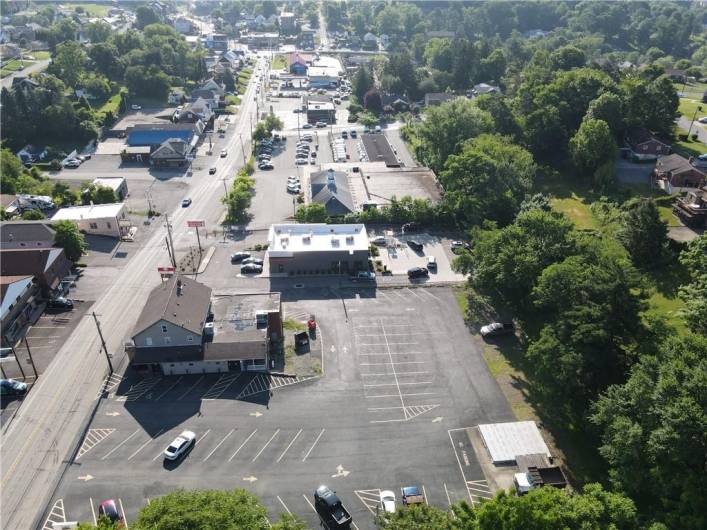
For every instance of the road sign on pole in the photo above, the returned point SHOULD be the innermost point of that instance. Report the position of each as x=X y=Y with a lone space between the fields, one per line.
x=166 y=272
x=196 y=223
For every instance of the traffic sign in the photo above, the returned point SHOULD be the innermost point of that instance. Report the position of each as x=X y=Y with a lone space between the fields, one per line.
x=166 y=272
x=195 y=223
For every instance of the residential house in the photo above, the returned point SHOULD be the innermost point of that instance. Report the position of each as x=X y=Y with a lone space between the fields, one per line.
x=317 y=248
x=177 y=96
x=394 y=103
x=24 y=84
x=536 y=34
x=9 y=51
x=268 y=40
x=109 y=220
x=644 y=145
x=679 y=76
x=48 y=266
x=692 y=208
x=437 y=98
x=370 y=41
x=331 y=188
x=172 y=152
x=230 y=60
x=216 y=41
x=673 y=171
x=485 y=88
x=626 y=65
x=26 y=234
x=384 y=41
x=440 y=35
x=19 y=306
x=320 y=112
x=184 y=26
x=297 y=63
x=199 y=110
x=30 y=153
x=210 y=96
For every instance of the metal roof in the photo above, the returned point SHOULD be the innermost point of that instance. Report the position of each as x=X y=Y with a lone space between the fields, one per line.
x=505 y=441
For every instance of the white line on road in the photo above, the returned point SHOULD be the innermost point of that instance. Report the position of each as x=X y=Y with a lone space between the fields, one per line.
x=122 y=510
x=449 y=501
x=190 y=389
x=170 y=388
x=202 y=437
x=143 y=445
x=315 y=443
x=263 y=449
x=241 y=446
x=399 y=362
x=404 y=395
x=284 y=505
x=93 y=511
x=398 y=384
x=119 y=445
x=388 y=343
x=461 y=469
x=394 y=353
x=219 y=445
x=425 y=291
x=290 y=445
x=310 y=503
x=424 y=494
x=401 y=373
x=413 y=293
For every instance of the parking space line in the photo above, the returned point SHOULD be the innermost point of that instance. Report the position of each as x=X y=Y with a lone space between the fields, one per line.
x=424 y=494
x=263 y=449
x=315 y=443
x=190 y=389
x=170 y=388
x=394 y=353
x=241 y=446
x=147 y=442
x=401 y=373
x=119 y=445
x=413 y=293
x=461 y=469
x=93 y=511
x=310 y=503
x=449 y=501
x=219 y=445
x=404 y=395
x=202 y=437
x=397 y=383
x=425 y=291
x=290 y=445
x=284 y=505
x=125 y=517
x=399 y=362
x=387 y=343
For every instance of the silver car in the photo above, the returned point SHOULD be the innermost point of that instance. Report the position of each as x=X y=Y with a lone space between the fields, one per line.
x=180 y=445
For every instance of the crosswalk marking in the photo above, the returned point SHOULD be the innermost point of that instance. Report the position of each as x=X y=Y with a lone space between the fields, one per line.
x=140 y=389
x=220 y=386
x=265 y=383
x=57 y=515
x=110 y=382
x=93 y=437
x=413 y=411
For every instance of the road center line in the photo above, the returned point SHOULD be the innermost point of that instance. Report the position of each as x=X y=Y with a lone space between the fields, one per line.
x=147 y=442
x=263 y=449
x=119 y=445
x=241 y=446
x=219 y=445
x=288 y=447
x=315 y=443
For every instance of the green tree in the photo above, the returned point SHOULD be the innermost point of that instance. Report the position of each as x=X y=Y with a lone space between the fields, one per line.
x=203 y=509
x=69 y=62
x=504 y=119
x=592 y=146
x=273 y=123
x=608 y=107
x=98 y=31
x=567 y=57
x=694 y=293
x=311 y=213
x=653 y=432
x=144 y=16
x=68 y=237
x=289 y=521
x=104 y=523
x=33 y=215
x=361 y=82
x=488 y=179
x=418 y=517
x=643 y=233
x=372 y=101
x=11 y=169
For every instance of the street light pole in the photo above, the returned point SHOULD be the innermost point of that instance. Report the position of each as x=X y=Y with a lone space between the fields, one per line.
x=698 y=109
x=103 y=342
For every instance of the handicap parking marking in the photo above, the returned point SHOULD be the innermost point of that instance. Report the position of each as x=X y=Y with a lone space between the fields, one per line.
x=151 y=439
x=110 y=382
x=242 y=445
x=464 y=452
x=220 y=386
x=190 y=388
x=93 y=437
x=479 y=489
x=56 y=515
x=140 y=389
x=119 y=445
x=266 y=383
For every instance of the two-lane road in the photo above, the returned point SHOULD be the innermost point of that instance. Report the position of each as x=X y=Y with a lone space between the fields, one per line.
x=38 y=444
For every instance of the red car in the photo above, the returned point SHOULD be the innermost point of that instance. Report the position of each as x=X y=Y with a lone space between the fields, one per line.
x=110 y=510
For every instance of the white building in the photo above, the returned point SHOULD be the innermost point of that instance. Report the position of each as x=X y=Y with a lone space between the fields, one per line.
x=97 y=219
x=118 y=184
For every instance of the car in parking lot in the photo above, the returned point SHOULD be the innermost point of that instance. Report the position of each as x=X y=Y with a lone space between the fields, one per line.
x=415 y=245
x=496 y=329
x=186 y=202
x=353 y=133
x=293 y=187
x=72 y=163
x=10 y=387
x=180 y=445
x=458 y=245
x=251 y=268
x=364 y=276
x=307 y=126
x=136 y=107
x=381 y=241
x=224 y=152
x=409 y=228
x=418 y=272
x=703 y=120
x=293 y=178
x=330 y=507
x=237 y=257
x=344 y=134
x=248 y=260
x=264 y=156
x=320 y=125
x=212 y=170
x=60 y=303
x=387 y=501
x=109 y=509
x=265 y=166
x=300 y=161
x=431 y=262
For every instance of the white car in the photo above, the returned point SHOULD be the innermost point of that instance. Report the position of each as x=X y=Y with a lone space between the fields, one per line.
x=293 y=178
x=293 y=188
x=703 y=120
x=72 y=163
x=387 y=501
x=180 y=445
x=136 y=107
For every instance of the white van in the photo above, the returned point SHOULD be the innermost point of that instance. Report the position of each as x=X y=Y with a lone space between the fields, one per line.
x=431 y=263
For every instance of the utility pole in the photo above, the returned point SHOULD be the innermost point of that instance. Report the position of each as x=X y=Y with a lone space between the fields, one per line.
x=31 y=361
x=103 y=342
x=240 y=137
x=169 y=250
x=171 y=243
x=692 y=122
x=225 y=189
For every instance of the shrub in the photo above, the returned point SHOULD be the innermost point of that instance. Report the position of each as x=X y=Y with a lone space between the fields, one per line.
x=55 y=165
x=694 y=137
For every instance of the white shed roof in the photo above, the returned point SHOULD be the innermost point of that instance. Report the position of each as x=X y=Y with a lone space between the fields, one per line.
x=505 y=441
x=109 y=182
x=91 y=211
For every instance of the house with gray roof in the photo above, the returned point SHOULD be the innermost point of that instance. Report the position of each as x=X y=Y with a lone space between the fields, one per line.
x=331 y=188
x=26 y=234
x=172 y=152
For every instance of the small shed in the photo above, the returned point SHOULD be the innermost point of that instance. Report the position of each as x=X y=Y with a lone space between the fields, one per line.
x=505 y=441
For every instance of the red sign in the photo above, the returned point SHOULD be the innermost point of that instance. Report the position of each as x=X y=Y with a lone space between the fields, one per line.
x=166 y=272
x=196 y=224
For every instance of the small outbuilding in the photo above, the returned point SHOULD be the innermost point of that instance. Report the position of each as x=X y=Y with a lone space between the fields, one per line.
x=505 y=441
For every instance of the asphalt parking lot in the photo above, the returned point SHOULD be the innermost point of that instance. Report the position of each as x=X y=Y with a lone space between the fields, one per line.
x=402 y=381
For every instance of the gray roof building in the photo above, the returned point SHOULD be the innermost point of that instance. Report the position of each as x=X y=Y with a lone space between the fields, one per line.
x=26 y=234
x=331 y=188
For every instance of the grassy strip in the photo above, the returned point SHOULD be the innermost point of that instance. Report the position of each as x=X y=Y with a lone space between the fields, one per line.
x=279 y=62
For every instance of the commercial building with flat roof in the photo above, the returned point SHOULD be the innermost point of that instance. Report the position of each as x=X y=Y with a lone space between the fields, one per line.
x=317 y=248
x=378 y=149
x=97 y=219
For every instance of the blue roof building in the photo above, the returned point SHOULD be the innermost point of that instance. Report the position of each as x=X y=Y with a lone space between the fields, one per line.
x=156 y=135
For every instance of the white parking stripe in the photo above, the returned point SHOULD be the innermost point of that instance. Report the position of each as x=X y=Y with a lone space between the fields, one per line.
x=404 y=395
x=219 y=445
x=290 y=445
x=190 y=388
x=449 y=501
x=143 y=445
x=394 y=353
x=398 y=384
x=263 y=449
x=284 y=505
x=202 y=437
x=400 y=373
x=425 y=291
x=241 y=446
x=170 y=388
x=122 y=510
x=119 y=445
x=389 y=363
x=309 y=502
x=93 y=512
x=387 y=343
x=315 y=443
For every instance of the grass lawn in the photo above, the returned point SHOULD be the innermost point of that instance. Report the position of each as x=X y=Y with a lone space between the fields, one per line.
x=40 y=56
x=233 y=100
x=667 y=307
x=147 y=102
x=688 y=107
x=93 y=9
x=690 y=147
x=577 y=210
x=110 y=105
x=279 y=62
x=16 y=64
